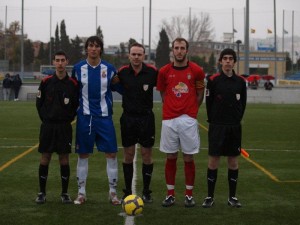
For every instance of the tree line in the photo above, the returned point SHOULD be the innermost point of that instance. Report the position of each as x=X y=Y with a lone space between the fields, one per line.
x=196 y=28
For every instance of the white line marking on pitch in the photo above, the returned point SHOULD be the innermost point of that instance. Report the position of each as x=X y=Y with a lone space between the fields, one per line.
x=129 y=220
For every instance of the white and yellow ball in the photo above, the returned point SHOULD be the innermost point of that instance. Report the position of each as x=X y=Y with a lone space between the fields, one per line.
x=133 y=205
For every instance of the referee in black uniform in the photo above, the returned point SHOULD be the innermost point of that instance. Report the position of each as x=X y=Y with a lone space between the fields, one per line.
x=226 y=97
x=56 y=103
x=137 y=121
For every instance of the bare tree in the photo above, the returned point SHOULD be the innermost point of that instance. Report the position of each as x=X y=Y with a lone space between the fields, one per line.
x=13 y=41
x=2 y=41
x=14 y=28
x=201 y=28
x=198 y=28
x=175 y=27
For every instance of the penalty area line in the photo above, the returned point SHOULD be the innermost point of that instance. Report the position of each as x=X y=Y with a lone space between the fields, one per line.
x=261 y=168
x=7 y=164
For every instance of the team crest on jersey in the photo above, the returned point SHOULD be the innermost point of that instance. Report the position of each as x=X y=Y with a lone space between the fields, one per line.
x=66 y=101
x=180 y=88
x=39 y=94
x=189 y=76
x=103 y=74
x=145 y=87
x=84 y=75
x=238 y=96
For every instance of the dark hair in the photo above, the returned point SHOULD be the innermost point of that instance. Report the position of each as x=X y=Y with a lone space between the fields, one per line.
x=227 y=51
x=180 y=40
x=60 y=52
x=136 y=44
x=94 y=39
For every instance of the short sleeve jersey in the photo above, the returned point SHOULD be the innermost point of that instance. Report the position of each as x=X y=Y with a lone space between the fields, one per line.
x=226 y=99
x=57 y=100
x=95 y=97
x=180 y=85
x=138 y=88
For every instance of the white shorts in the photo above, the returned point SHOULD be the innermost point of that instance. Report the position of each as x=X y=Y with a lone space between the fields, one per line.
x=181 y=132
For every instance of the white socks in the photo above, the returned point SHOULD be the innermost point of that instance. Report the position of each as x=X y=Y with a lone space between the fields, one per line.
x=111 y=169
x=112 y=173
x=82 y=172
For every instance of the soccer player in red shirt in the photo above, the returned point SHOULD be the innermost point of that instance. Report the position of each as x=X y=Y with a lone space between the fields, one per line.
x=181 y=84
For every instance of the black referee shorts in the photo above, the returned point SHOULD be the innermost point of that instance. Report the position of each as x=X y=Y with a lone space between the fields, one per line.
x=138 y=129
x=224 y=140
x=55 y=138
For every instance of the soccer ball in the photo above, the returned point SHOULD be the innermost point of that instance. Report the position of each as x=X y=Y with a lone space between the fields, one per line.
x=133 y=205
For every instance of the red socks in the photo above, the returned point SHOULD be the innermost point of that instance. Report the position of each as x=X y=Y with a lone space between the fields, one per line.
x=170 y=173
x=189 y=170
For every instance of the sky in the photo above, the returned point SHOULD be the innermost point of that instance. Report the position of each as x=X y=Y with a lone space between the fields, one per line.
x=121 y=20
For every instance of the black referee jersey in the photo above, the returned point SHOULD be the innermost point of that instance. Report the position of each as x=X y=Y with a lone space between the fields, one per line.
x=137 y=97
x=57 y=100
x=226 y=99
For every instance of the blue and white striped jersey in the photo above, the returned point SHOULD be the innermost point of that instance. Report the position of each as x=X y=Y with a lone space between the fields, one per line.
x=95 y=88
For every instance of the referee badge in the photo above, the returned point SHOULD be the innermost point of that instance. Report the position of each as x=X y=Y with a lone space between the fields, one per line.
x=238 y=96
x=66 y=101
x=145 y=87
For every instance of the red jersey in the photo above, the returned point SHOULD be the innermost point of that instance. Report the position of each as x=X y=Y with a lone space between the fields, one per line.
x=180 y=85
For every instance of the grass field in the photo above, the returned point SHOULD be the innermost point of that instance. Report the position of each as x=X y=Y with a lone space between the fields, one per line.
x=268 y=187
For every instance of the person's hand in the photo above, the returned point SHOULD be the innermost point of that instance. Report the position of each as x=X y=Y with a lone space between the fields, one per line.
x=115 y=79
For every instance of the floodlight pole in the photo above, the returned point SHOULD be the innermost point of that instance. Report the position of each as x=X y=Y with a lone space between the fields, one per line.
x=293 y=42
x=150 y=11
x=22 y=42
x=96 y=19
x=246 y=54
x=238 y=42
x=50 y=42
x=275 y=42
x=5 y=34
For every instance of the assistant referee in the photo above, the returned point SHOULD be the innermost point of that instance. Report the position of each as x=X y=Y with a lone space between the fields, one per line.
x=226 y=98
x=56 y=103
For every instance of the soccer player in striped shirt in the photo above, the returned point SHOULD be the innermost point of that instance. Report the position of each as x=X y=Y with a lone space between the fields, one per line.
x=94 y=117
